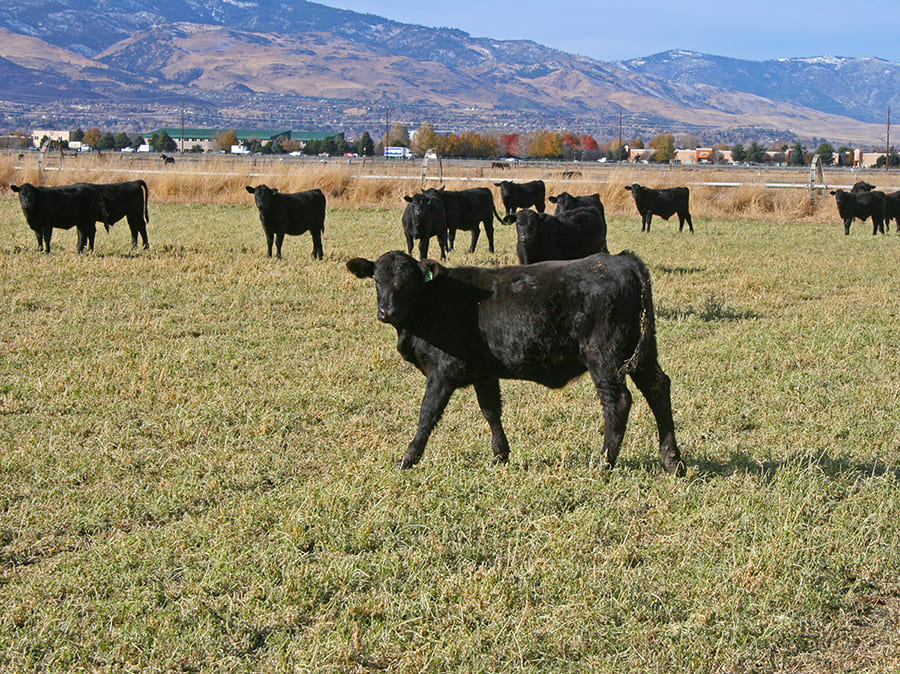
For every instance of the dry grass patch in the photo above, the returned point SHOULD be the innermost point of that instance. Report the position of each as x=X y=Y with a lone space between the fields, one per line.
x=197 y=448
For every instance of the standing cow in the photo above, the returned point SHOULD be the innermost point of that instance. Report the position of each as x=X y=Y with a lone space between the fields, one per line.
x=126 y=200
x=521 y=195
x=547 y=322
x=567 y=202
x=423 y=218
x=891 y=203
x=663 y=203
x=862 y=205
x=290 y=213
x=468 y=210
x=578 y=232
x=61 y=207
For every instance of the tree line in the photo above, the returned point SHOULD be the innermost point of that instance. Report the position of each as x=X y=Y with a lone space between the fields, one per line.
x=539 y=144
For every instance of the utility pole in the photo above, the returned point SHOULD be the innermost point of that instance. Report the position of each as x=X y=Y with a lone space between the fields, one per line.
x=182 y=126
x=620 y=134
x=887 y=154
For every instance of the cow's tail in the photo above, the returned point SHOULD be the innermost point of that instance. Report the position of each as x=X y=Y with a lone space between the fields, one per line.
x=647 y=325
x=146 y=199
x=501 y=220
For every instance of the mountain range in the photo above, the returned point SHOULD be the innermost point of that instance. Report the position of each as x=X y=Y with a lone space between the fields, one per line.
x=270 y=63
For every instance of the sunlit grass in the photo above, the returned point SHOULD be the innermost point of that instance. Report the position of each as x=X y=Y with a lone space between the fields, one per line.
x=197 y=450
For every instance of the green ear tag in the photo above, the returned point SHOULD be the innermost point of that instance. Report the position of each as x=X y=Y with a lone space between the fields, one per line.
x=429 y=276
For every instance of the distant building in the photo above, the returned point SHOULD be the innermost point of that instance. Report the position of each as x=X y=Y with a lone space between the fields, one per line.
x=39 y=135
x=207 y=139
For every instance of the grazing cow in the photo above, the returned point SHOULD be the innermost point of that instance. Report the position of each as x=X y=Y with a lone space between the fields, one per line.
x=577 y=233
x=521 y=195
x=290 y=213
x=423 y=218
x=548 y=323
x=566 y=202
x=62 y=207
x=167 y=159
x=466 y=210
x=663 y=203
x=503 y=165
x=126 y=200
x=861 y=205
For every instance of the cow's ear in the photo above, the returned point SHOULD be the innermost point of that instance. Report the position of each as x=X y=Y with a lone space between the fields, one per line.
x=408 y=198
x=361 y=267
x=251 y=190
x=15 y=188
x=833 y=192
x=552 y=199
x=431 y=269
x=628 y=187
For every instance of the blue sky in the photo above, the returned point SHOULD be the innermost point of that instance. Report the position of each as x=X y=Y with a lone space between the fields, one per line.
x=612 y=31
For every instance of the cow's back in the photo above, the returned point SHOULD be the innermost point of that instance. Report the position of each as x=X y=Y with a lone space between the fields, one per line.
x=561 y=307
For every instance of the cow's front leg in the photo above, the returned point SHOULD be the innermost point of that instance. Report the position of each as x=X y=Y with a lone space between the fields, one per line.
x=279 y=239
x=270 y=240
x=491 y=404
x=437 y=394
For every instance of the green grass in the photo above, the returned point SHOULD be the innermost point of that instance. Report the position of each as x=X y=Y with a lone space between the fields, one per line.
x=197 y=450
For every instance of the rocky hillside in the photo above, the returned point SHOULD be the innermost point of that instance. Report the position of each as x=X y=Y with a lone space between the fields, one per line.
x=304 y=63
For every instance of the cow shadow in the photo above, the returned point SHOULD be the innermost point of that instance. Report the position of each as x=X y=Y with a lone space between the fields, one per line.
x=833 y=468
x=678 y=271
x=712 y=310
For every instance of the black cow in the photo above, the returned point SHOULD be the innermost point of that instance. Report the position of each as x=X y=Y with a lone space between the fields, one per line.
x=891 y=203
x=290 y=213
x=548 y=323
x=566 y=202
x=62 y=207
x=423 y=218
x=467 y=210
x=167 y=159
x=663 y=203
x=861 y=205
x=126 y=200
x=577 y=233
x=892 y=210
x=521 y=195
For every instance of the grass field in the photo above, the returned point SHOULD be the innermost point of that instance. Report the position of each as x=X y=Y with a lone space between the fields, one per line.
x=197 y=450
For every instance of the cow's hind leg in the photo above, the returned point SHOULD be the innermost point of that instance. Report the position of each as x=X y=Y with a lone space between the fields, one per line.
x=656 y=387
x=616 y=400
x=489 y=233
x=488 y=392
x=437 y=395
x=475 y=233
x=318 y=252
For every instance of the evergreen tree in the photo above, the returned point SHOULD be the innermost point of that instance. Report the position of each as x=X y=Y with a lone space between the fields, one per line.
x=826 y=153
x=365 y=147
x=738 y=153
x=797 y=155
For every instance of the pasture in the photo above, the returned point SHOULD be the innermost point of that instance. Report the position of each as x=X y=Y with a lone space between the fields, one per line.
x=197 y=449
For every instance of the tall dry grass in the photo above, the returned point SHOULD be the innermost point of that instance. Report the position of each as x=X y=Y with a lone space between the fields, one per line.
x=355 y=183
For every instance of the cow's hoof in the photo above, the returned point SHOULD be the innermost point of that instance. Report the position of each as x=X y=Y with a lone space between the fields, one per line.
x=674 y=466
